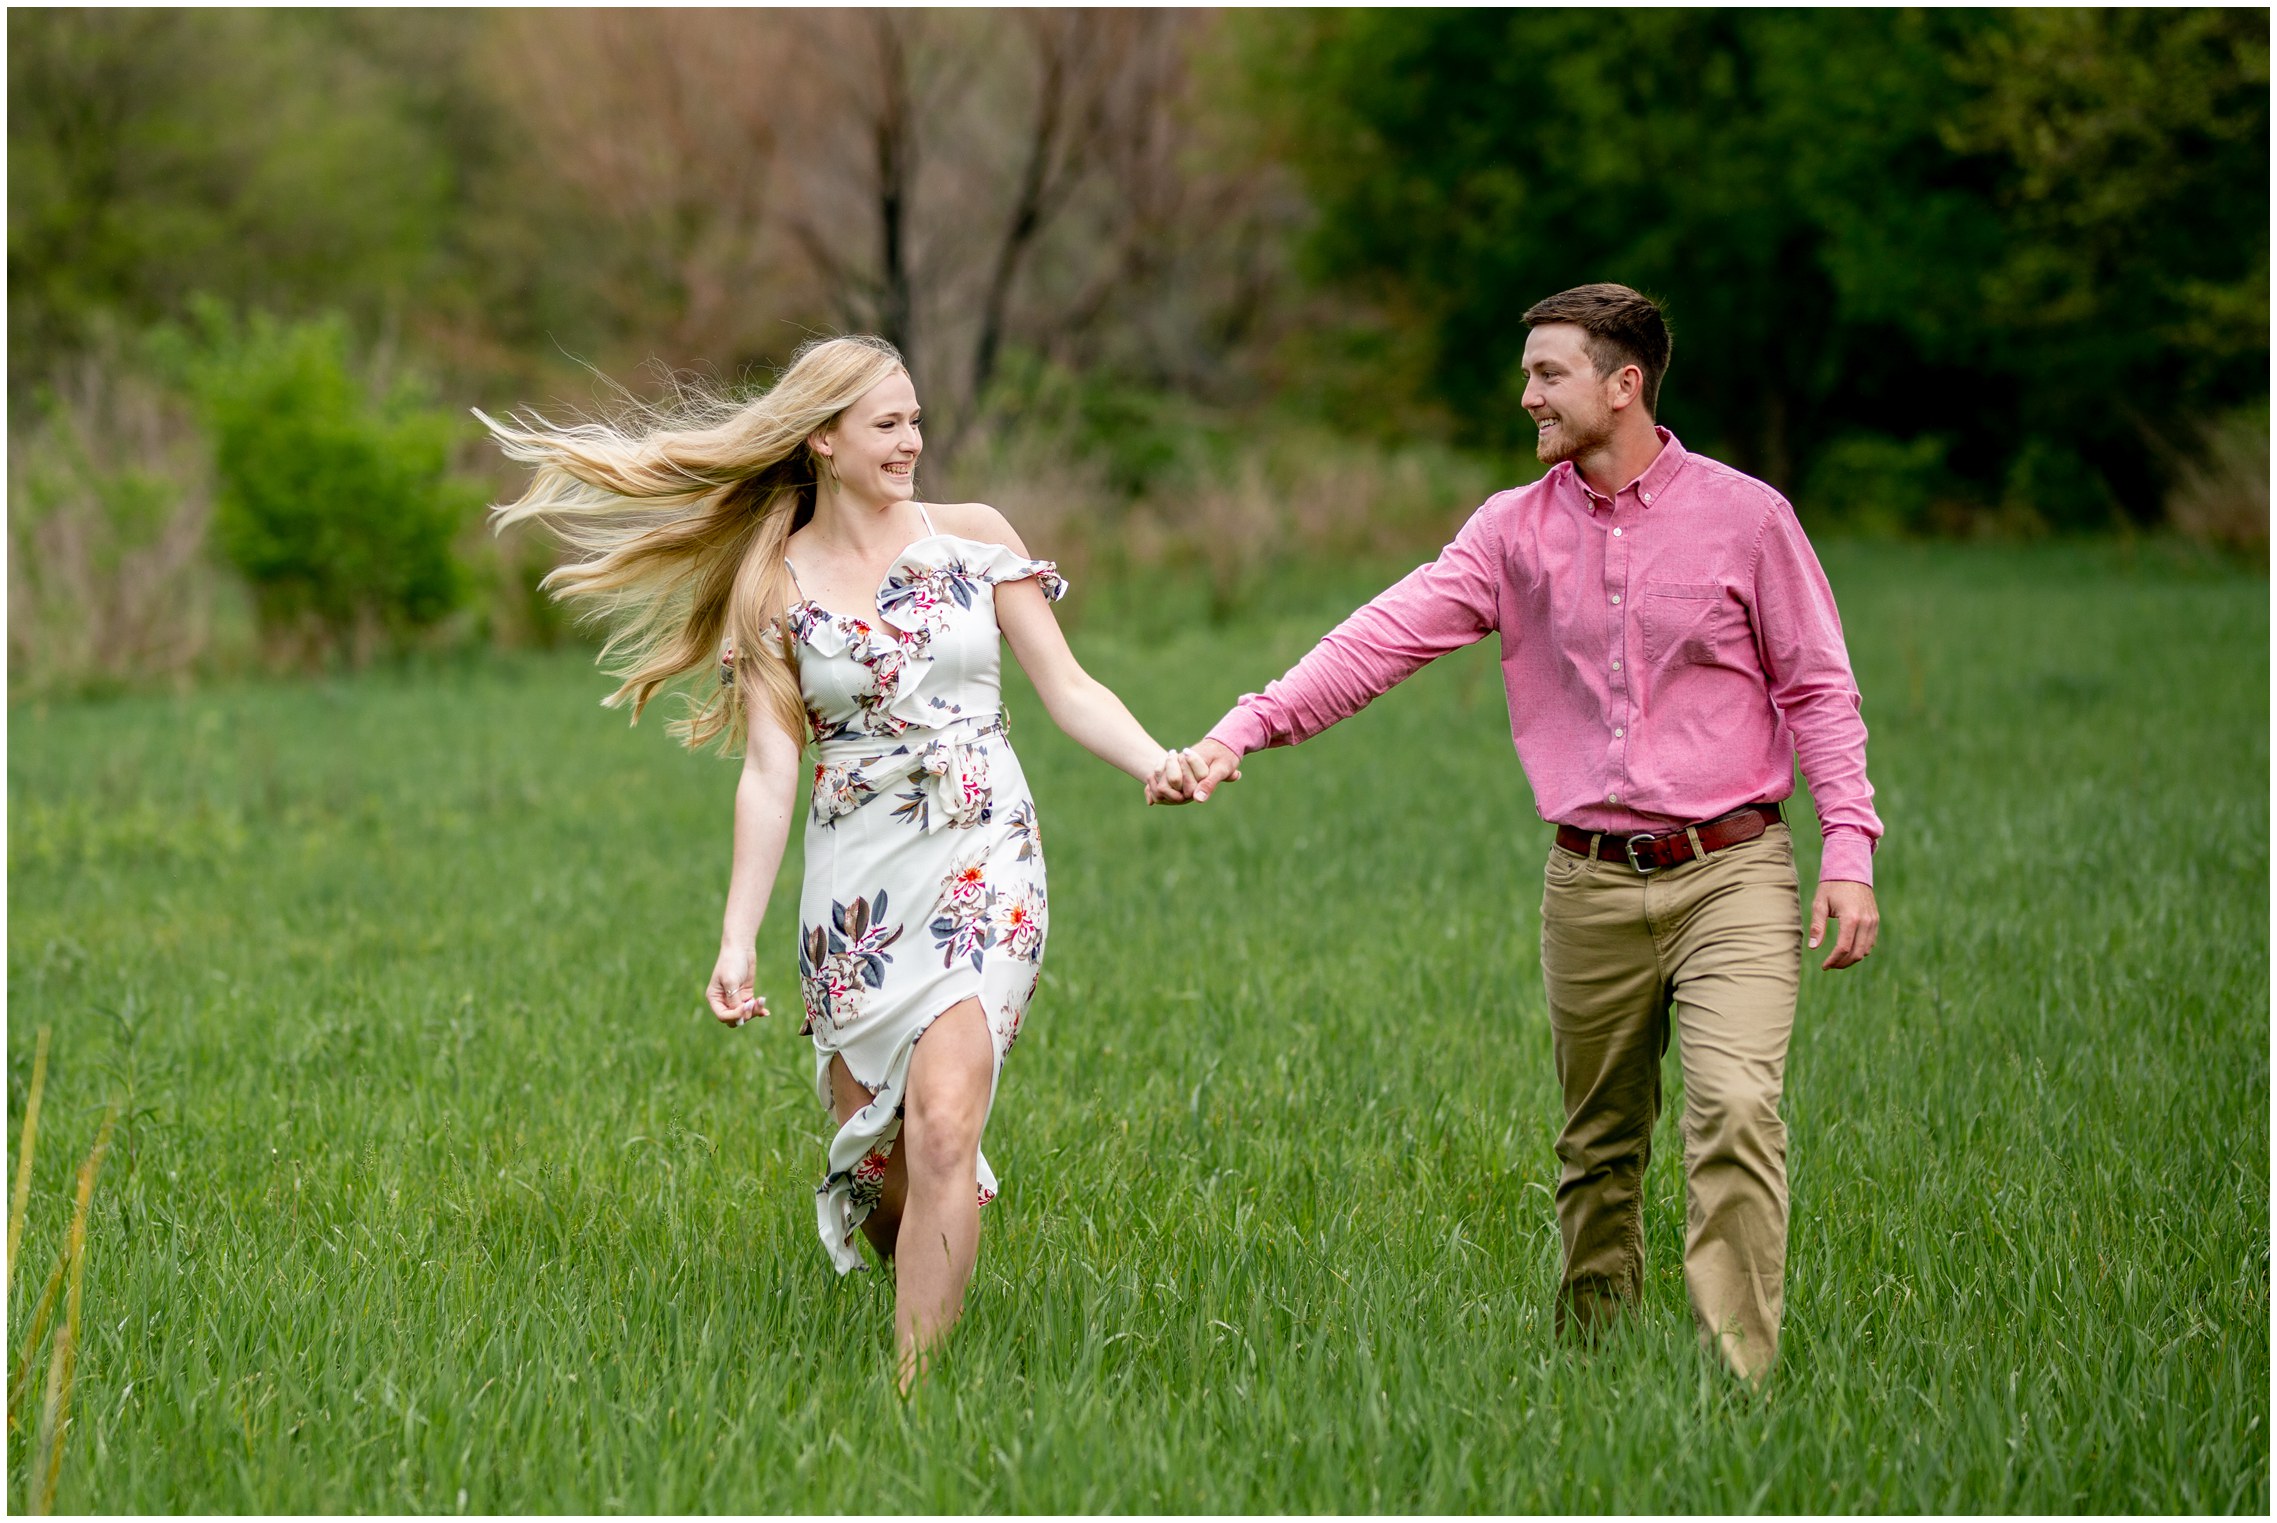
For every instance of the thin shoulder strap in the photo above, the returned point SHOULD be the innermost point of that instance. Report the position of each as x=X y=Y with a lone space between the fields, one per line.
x=921 y=513
x=794 y=571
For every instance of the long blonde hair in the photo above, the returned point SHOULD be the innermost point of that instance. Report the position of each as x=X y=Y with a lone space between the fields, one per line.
x=682 y=526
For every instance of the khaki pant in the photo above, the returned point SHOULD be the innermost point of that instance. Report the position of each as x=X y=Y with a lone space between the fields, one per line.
x=1712 y=950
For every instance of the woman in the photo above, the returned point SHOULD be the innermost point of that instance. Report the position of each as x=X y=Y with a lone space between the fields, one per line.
x=782 y=538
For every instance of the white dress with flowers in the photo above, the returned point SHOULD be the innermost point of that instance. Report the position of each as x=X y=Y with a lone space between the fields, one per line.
x=924 y=871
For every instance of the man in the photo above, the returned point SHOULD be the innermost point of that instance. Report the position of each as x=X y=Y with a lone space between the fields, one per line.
x=1670 y=648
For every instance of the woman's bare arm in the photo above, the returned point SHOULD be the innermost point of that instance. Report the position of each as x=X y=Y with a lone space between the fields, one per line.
x=1081 y=705
x=765 y=797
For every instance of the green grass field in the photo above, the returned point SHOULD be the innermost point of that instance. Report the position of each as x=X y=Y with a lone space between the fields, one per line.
x=435 y=1189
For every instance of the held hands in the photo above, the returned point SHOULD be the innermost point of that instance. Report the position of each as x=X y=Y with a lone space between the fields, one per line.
x=1860 y=919
x=1191 y=775
x=731 y=995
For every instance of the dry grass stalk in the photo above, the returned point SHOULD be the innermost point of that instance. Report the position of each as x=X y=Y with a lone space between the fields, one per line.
x=1237 y=516
x=23 y=1192
x=1238 y=528
x=2221 y=496
x=48 y=1467
x=108 y=499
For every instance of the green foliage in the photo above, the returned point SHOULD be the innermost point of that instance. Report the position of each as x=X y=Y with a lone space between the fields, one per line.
x=1996 y=226
x=338 y=507
x=2132 y=142
x=1139 y=438
x=154 y=153
x=445 y=1184
x=2059 y=486
x=2022 y=233
x=1876 y=485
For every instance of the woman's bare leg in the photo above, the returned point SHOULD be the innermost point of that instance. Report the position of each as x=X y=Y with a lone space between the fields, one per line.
x=950 y=1077
x=847 y=1096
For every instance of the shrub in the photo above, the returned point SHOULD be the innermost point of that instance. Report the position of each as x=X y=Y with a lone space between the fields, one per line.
x=333 y=497
x=2055 y=485
x=1872 y=484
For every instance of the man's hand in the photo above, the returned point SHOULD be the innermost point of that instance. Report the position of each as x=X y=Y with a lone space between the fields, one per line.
x=1853 y=908
x=1190 y=775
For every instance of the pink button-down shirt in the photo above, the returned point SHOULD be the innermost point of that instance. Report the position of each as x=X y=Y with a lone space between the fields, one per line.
x=1669 y=654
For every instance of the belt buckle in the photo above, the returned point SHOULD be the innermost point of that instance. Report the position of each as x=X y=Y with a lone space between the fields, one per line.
x=1630 y=846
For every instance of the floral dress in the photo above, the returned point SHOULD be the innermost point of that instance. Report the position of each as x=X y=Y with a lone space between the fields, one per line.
x=924 y=870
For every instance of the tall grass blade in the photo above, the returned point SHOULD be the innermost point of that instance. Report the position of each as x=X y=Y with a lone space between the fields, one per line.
x=48 y=1468
x=23 y=1192
x=23 y=1370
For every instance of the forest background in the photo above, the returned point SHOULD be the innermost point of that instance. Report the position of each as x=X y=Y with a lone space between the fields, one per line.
x=1188 y=294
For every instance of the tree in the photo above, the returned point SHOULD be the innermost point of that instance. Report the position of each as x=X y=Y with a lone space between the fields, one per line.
x=2133 y=281
x=634 y=198
x=712 y=187
x=1995 y=227
x=155 y=154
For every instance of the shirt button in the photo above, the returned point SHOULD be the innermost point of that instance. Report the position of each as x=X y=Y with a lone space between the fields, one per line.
x=1619 y=731
x=1612 y=798
x=1616 y=534
x=1616 y=663
x=1616 y=600
x=1648 y=497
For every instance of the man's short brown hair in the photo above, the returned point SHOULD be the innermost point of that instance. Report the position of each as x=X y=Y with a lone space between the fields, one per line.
x=1624 y=328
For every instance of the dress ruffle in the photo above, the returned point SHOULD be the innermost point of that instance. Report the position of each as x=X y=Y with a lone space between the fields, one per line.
x=935 y=567
x=942 y=569
x=926 y=581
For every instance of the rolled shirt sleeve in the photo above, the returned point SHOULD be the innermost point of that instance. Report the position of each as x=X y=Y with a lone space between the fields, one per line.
x=1799 y=636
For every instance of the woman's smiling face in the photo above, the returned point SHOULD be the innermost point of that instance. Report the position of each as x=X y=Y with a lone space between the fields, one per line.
x=875 y=443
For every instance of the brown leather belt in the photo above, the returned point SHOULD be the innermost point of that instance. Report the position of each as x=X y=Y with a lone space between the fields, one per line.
x=1654 y=853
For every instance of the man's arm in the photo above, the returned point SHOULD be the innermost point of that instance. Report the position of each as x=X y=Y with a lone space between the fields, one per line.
x=1434 y=609
x=1799 y=635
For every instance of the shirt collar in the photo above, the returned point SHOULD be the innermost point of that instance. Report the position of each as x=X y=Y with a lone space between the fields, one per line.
x=1649 y=486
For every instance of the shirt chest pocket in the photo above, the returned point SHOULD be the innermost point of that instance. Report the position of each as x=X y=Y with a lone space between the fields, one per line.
x=1684 y=623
